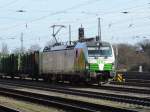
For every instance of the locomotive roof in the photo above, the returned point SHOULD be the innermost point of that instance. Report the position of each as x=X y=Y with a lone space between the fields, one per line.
x=96 y=43
x=88 y=43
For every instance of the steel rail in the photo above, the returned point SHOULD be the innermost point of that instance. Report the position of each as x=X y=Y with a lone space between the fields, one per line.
x=138 y=84
x=97 y=95
x=122 y=88
x=7 y=109
x=74 y=105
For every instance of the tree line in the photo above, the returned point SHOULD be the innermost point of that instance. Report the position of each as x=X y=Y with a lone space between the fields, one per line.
x=130 y=57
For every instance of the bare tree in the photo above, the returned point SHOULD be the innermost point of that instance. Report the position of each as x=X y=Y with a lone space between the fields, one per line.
x=16 y=51
x=129 y=59
x=34 y=47
x=49 y=44
x=4 y=49
x=145 y=45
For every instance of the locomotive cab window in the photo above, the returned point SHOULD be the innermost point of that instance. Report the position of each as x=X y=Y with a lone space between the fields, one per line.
x=102 y=51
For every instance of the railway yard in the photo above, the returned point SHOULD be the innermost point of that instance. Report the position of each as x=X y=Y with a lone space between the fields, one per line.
x=69 y=78
x=63 y=97
x=74 y=56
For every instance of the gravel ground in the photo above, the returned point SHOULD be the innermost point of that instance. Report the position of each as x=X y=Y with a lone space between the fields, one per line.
x=115 y=92
x=126 y=86
x=26 y=106
x=93 y=100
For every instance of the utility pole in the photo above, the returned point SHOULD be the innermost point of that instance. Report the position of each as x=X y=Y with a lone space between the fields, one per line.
x=21 y=39
x=69 y=34
x=99 y=30
x=55 y=33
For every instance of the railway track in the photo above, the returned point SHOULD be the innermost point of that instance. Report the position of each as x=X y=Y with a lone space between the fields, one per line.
x=97 y=95
x=133 y=83
x=127 y=89
x=67 y=104
x=138 y=80
x=7 y=109
x=119 y=88
x=135 y=79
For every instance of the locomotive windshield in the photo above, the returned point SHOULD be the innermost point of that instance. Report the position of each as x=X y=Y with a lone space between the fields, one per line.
x=100 y=52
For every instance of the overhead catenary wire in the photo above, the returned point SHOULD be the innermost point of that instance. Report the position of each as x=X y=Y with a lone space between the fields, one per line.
x=8 y=4
x=88 y=2
x=88 y=19
x=55 y=13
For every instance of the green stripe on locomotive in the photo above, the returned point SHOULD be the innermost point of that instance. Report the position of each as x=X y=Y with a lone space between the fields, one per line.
x=95 y=67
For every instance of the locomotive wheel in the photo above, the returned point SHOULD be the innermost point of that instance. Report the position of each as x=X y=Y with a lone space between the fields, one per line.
x=99 y=80
x=99 y=83
x=102 y=80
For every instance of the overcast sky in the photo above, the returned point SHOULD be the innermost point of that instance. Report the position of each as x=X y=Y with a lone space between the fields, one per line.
x=126 y=21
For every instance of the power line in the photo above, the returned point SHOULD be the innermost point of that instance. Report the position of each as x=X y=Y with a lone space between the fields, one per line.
x=10 y=3
x=104 y=13
x=88 y=2
x=61 y=12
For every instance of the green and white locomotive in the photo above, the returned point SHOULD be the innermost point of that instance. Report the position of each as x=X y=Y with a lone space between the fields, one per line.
x=90 y=62
x=101 y=61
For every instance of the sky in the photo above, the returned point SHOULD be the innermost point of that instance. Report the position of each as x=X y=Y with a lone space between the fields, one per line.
x=122 y=21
